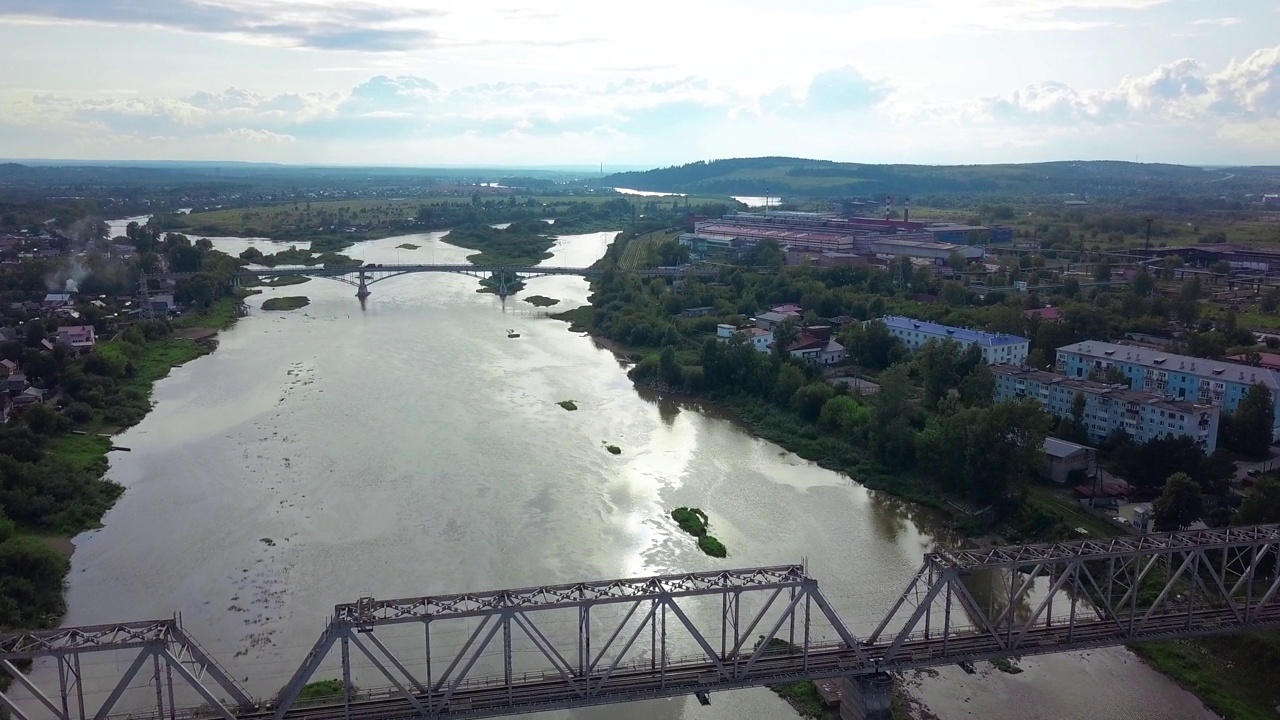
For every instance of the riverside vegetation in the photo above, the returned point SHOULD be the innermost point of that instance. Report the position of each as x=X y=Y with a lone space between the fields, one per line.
x=52 y=463
x=694 y=522
x=933 y=434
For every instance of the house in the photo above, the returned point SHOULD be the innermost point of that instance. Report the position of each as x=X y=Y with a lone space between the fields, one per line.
x=760 y=339
x=10 y=367
x=16 y=383
x=163 y=303
x=1107 y=493
x=1047 y=314
x=771 y=320
x=1061 y=458
x=80 y=338
x=30 y=396
x=807 y=348
x=788 y=309
x=832 y=353
x=56 y=300
x=8 y=334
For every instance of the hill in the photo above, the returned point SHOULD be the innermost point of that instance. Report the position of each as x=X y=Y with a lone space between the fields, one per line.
x=796 y=177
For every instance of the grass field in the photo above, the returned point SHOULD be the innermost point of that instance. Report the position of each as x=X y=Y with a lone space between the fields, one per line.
x=271 y=220
x=636 y=254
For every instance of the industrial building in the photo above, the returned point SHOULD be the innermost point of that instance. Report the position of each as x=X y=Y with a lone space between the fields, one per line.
x=917 y=246
x=1180 y=377
x=997 y=349
x=1143 y=416
x=793 y=238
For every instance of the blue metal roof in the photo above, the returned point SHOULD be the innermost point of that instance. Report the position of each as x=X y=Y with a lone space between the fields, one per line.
x=964 y=335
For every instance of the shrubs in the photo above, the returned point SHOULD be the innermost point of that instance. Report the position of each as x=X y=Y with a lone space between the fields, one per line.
x=694 y=522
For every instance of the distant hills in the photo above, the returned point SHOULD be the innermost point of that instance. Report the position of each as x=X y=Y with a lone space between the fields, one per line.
x=797 y=177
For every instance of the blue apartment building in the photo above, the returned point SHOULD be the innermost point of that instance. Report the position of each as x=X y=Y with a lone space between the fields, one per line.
x=1177 y=377
x=1142 y=416
x=997 y=349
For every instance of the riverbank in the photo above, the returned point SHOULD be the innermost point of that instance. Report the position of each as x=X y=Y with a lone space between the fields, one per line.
x=78 y=456
x=1216 y=671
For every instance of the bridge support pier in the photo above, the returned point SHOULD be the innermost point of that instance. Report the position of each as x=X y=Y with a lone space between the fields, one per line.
x=866 y=697
x=362 y=291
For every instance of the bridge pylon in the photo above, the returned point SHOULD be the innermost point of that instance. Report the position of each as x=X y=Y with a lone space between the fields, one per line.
x=362 y=290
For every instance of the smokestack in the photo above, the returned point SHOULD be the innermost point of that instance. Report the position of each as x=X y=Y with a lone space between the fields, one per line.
x=888 y=206
x=906 y=210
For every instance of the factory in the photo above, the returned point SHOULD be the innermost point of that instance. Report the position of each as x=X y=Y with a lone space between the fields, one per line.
x=831 y=238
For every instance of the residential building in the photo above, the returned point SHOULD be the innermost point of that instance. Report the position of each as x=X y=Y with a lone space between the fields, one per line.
x=1061 y=458
x=817 y=350
x=771 y=320
x=997 y=348
x=57 y=300
x=1143 y=416
x=80 y=338
x=163 y=303
x=760 y=339
x=1180 y=377
x=16 y=383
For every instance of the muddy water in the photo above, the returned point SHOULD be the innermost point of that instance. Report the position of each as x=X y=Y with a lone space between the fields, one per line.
x=412 y=447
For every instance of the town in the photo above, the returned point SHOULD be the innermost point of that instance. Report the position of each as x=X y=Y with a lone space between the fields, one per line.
x=1042 y=370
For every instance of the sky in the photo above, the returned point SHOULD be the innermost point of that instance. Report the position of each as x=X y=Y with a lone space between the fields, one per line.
x=582 y=82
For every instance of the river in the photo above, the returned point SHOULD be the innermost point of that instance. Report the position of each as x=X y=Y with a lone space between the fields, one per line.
x=413 y=448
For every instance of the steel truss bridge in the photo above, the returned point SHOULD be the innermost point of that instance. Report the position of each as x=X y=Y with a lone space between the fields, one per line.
x=564 y=646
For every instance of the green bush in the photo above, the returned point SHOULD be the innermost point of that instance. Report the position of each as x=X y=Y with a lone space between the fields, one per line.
x=712 y=546
x=690 y=520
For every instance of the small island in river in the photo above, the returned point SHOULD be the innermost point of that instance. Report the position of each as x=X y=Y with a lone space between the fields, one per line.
x=408 y=246
x=694 y=522
x=522 y=243
x=541 y=301
x=291 y=302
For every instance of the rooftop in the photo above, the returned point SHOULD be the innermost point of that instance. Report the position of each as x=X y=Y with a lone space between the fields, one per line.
x=958 y=334
x=1219 y=370
x=1054 y=447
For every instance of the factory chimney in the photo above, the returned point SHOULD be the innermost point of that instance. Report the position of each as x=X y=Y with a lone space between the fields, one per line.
x=906 y=210
x=888 y=206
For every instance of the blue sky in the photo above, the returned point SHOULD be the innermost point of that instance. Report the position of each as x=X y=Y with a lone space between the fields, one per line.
x=580 y=82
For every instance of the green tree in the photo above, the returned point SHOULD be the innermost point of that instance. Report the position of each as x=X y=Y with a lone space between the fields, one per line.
x=1143 y=284
x=1102 y=271
x=809 y=400
x=844 y=416
x=1263 y=504
x=1250 y=425
x=978 y=388
x=669 y=368
x=1179 y=505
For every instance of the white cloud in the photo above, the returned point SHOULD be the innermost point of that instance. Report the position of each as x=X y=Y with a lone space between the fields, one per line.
x=1219 y=22
x=1179 y=91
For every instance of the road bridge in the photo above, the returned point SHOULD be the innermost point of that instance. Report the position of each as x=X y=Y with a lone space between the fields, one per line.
x=527 y=650
x=501 y=277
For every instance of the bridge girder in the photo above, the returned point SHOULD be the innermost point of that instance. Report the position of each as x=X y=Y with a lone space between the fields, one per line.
x=624 y=640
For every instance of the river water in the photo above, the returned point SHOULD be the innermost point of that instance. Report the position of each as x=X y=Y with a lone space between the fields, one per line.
x=412 y=447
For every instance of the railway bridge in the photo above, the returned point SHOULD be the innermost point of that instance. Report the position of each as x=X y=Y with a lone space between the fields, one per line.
x=527 y=650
